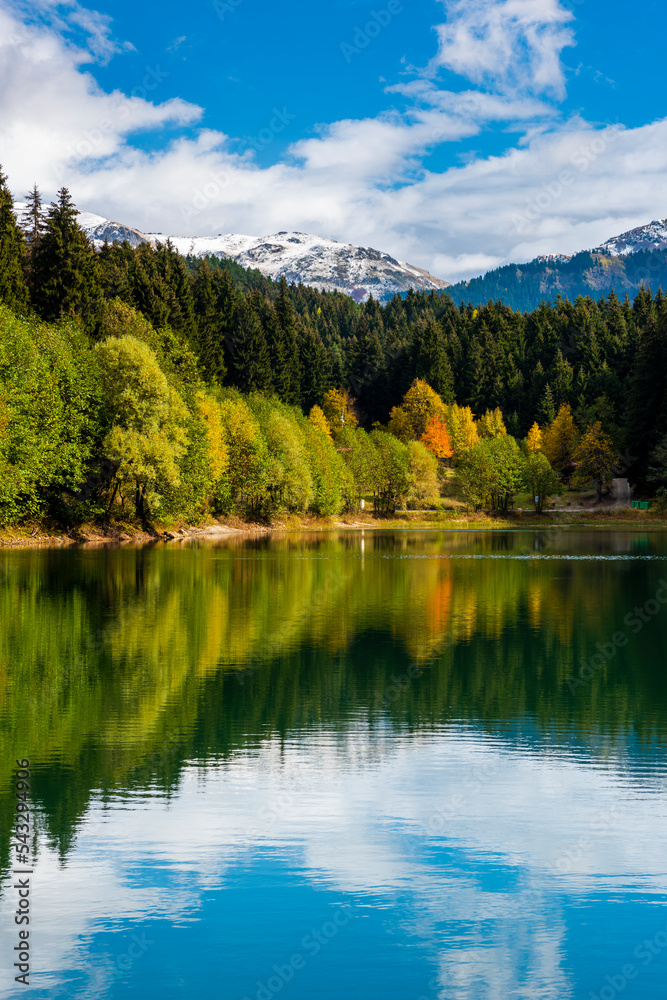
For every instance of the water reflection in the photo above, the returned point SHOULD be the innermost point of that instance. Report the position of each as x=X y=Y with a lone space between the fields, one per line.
x=234 y=741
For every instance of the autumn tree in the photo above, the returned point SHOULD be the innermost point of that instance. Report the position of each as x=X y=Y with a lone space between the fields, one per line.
x=491 y=424
x=318 y=420
x=595 y=458
x=337 y=406
x=420 y=404
x=436 y=438
x=559 y=440
x=534 y=439
x=462 y=429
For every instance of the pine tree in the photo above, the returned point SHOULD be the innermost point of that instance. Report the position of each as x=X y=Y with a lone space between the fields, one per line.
x=251 y=359
x=367 y=371
x=291 y=374
x=173 y=271
x=547 y=408
x=208 y=339
x=315 y=379
x=13 y=288
x=647 y=395
x=430 y=361
x=66 y=274
x=34 y=218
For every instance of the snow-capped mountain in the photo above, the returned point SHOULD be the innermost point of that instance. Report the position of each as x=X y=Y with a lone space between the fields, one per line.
x=97 y=228
x=311 y=260
x=650 y=237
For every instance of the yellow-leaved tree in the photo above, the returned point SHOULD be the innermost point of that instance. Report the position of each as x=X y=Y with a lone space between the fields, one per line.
x=595 y=458
x=492 y=425
x=534 y=439
x=420 y=404
x=338 y=408
x=318 y=420
x=559 y=440
x=462 y=429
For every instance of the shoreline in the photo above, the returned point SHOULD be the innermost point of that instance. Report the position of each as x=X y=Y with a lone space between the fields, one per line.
x=112 y=536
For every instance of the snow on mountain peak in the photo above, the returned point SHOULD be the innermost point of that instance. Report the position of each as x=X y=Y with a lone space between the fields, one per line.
x=650 y=237
x=313 y=260
x=300 y=257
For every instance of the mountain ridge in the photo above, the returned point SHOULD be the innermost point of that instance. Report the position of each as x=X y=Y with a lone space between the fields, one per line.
x=321 y=263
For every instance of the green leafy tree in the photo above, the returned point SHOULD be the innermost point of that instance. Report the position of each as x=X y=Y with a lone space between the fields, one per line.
x=540 y=479
x=392 y=482
x=423 y=472
x=50 y=417
x=249 y=463
x=147 y=417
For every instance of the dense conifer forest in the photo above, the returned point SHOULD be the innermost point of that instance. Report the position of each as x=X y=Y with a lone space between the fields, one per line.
x=136 y=380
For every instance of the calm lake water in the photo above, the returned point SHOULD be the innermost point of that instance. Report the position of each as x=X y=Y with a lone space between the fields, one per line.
x=410 y=765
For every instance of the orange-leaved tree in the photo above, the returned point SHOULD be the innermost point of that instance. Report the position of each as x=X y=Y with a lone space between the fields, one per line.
x=436 y=438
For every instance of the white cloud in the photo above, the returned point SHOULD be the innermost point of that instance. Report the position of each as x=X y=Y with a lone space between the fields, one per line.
x=513 y=45
x=563 y=187
x=348 y=816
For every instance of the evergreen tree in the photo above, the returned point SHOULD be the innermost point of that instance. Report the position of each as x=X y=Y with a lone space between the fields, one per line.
x=547 y=408
x=430 y=361
x=209 y=342
x=13 y=288
x=251 y=358
x=173 y=271
x=647 y=395
x=290 y=374
x=66 y=274
x=367 y=371
x=34 y=218
x=315 y=378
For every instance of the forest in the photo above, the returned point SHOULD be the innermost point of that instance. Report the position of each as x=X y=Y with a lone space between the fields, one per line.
x=138 y=383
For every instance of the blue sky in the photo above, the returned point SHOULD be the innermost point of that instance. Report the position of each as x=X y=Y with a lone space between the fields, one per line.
x=457 y=134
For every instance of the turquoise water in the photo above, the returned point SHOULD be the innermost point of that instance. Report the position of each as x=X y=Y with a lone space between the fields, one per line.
x=411 y=765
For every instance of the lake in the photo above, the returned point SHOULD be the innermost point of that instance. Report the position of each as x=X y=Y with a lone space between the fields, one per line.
x=380 y=765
